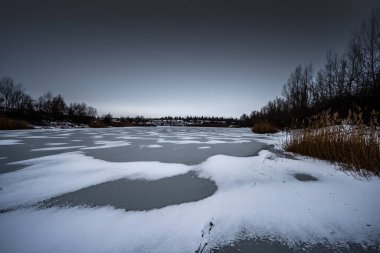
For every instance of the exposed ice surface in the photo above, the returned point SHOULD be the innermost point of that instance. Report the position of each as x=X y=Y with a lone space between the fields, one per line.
x=57 y=148
x=43 y=137
x=197 y=142
x=52 y=175
x=257 y=197
x=108 y=144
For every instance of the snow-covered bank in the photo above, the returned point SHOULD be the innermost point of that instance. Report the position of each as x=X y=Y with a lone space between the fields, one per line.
x=257 y=197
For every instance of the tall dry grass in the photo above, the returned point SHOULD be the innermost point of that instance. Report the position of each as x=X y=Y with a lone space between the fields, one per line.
x=348 y=142
x=263 y=128
x=13 y=124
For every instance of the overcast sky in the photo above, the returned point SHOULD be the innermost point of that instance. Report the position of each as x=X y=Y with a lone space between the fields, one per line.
x=179 y=57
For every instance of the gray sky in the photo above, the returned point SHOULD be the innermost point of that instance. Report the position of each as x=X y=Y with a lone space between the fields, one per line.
x=177 y=57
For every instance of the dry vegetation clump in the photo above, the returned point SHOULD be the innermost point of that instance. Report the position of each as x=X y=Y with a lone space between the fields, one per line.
x=13 y=124
x=349 y=143
x=97 y=124
x=263 y=128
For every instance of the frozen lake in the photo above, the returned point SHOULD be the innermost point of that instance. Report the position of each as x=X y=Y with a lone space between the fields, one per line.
x=176 y=189
x=190 y=145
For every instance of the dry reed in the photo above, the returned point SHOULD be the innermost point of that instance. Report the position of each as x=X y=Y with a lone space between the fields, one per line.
x=13 y=124
x=349 y=143
x=263 y=128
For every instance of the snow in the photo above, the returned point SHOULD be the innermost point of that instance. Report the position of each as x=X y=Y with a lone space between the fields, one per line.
x=276 y=139
x=257 y=197
x=151 y=146
x=210 y=141
x=204 y=147
x=43 y=137
x=10 y=142
x=55 y=143
x=191 y=141
x=108 y=144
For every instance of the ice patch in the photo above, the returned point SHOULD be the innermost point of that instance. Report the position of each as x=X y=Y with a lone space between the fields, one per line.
x=241 y=141
x=65 y=134
x=178 y=141
x=53 y=175
x=134 y=138
x=108 y=144
x=13 y=134
x=43 y=137
x=190 y=141
x=56 y=148
x=10 y=142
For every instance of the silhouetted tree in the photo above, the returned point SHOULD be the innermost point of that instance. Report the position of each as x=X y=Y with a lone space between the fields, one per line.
x=346 y=82
x=107 y=119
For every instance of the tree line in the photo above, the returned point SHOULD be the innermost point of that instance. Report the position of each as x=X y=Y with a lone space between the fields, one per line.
x=15 y=103
x=347 y=81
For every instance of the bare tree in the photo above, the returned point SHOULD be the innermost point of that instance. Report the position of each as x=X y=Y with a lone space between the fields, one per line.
x=7 y=88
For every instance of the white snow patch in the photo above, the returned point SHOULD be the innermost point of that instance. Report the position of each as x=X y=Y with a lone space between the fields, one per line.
x=55 y=143
x=154 y=146
x=108 y=144
x=10 y=142
x=204 y=147
x=276 y=139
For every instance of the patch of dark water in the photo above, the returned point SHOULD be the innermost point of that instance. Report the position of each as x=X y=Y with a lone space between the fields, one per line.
x=305 y=177
x=138 y=195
